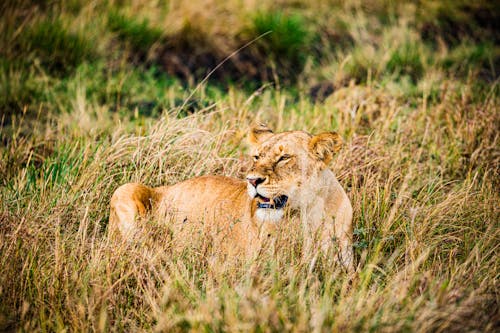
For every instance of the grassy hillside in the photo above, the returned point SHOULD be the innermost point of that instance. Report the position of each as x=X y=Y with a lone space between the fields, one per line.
x=96 y=94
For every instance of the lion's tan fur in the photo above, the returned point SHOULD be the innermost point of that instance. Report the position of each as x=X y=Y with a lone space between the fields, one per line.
x=292 y=163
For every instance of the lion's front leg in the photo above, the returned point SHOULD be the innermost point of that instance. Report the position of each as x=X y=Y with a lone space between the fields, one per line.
x=343 y=234
x=339 y=228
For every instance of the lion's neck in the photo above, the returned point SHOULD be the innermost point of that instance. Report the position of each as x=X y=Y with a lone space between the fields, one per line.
x=313 y=205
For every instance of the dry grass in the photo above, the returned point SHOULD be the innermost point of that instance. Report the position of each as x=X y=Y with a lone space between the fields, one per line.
x=420 y=164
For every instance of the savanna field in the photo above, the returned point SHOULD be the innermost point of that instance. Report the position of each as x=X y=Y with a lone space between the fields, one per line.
x=95 y=94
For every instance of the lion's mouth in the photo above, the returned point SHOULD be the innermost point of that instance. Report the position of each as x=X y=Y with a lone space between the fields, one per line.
x=277 y=202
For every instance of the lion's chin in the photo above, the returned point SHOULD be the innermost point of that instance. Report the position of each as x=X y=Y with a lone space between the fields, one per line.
x=270 y=215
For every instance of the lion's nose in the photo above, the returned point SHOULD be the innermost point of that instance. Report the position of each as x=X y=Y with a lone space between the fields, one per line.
x=255 y=180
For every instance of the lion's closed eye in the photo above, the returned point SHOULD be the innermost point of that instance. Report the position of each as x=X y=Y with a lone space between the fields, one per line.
x=284 y=158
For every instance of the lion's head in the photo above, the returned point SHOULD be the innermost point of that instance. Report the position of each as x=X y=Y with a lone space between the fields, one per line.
x=287 y=168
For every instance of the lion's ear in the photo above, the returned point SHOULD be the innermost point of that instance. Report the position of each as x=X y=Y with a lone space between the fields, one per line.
x=259 y=133
x=325 y=145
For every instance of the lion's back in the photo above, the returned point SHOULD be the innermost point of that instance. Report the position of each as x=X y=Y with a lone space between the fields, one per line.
x=206 y=197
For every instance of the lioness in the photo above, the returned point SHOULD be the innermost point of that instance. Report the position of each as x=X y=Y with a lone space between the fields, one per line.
x=289 y=180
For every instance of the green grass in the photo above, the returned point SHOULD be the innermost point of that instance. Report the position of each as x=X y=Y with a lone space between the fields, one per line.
x=57 y=49
x=19 y=87
x=138 y=34
x=80 y=116
x=288 y=36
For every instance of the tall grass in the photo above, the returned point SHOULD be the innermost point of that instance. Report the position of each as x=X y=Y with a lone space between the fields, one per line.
x=420 y=165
